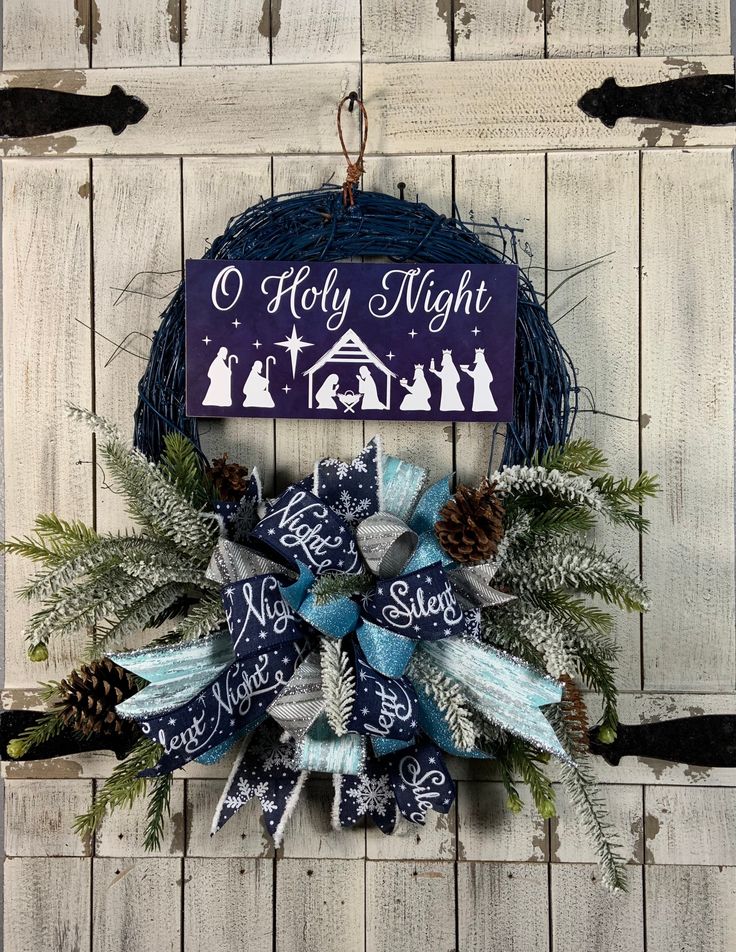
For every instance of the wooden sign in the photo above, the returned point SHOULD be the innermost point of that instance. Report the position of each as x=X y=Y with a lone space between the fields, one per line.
x=350 y=341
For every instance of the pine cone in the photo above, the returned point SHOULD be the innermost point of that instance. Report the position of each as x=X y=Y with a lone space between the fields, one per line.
x=229 y=480
x=89 y=696
x=471 y=524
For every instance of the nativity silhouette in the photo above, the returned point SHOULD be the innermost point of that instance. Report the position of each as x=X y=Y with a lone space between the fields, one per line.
x=219 y=392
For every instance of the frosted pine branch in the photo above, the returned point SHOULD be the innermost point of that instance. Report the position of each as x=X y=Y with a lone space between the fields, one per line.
x=449 y=697
x=585 y=796
x=338 y=684
x=558 y=564
x=539 y=481
x=153 y=500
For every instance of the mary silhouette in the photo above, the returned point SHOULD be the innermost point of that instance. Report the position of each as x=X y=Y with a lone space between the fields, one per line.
x=326 y=394
x=219 y=392
x=367 y=387
x=256 y=390
x=448 y=374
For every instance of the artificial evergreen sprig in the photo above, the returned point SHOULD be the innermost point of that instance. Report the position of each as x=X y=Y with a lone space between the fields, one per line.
x=585 y=797
x=123 y=787
x=449 y=697
x=334 y=585
x=338 y=684
x=116 y=584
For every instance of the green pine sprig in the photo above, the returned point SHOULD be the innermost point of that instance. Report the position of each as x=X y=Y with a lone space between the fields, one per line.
x=334 y=585
x=122 y=788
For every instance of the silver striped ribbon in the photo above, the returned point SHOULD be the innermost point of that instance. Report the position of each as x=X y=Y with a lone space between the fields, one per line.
x=231 y=562
x=386 y=543
x=302 y=701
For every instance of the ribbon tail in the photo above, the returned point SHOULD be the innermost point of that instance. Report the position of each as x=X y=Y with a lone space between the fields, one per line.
x=505 y=691
x=263 y=772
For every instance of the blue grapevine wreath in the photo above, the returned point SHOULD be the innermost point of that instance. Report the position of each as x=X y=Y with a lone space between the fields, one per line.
x=363 y=623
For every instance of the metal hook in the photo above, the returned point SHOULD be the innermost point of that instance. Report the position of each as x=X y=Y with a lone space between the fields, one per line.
x=353 y=97
x=401 y=186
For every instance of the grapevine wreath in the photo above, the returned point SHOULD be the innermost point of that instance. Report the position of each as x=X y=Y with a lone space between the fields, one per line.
x=365 y=623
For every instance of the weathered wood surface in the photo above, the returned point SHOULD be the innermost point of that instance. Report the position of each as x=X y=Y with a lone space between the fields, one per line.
x=415 y=107
x=650 y=328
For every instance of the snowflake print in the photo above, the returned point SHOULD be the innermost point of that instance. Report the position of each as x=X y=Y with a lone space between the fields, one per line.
x=352 y=509
x=273 y=754
x=247 y=790
x=372 y=795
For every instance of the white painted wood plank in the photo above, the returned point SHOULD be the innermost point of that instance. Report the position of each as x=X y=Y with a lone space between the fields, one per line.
x=427 y=179
x=518 y=105
x=400 y=30
x=46 y=360
x=227 y=902
x=137 y=899
x=503 y=907
x=225 y=33
x=42 y=35
x=319 y=905
x=39 y=818
x=569 y=843
x=135 y=33
x=421 y=108
x=201 y=110
x=409 y=841
x=300 y=442
x=510 y=190
x=678 y=28
x=215 y=190
x=122 y=833
x=243 y=835
x=606 y=28
x=592 y=212
x=309 y=834
x=410 y=903
x=505 y=29
x=687 y=390
x=315 y=31
x=585 y=916
x=137 y=265
x=46 y=904
x=691 y=907
x=488 y=830
x=690 y=827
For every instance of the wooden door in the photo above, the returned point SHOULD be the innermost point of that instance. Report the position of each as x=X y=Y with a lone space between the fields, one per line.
x=471 y=102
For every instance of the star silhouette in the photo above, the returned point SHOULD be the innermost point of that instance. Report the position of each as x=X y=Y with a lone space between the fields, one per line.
x=294 y=345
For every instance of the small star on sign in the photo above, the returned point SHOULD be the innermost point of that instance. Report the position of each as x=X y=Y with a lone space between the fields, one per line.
x=412 y=333
x=236 y=323
x=390 y=356
x=257 y=344
x=206 y=341
x=286 y=388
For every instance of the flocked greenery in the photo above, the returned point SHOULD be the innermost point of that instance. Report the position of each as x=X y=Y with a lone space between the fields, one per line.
x=116 y=584
x=560 y=621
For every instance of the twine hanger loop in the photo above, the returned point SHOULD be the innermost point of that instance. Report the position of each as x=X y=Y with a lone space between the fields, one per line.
x=354 y=169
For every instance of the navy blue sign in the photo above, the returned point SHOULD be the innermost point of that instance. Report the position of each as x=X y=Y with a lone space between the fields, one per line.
x=323 y=340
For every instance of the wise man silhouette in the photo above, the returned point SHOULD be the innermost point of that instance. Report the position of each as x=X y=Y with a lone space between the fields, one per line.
x=256 y=389
x=482 y=380
x=418 y=392
x=219 y=392
x=450 y=399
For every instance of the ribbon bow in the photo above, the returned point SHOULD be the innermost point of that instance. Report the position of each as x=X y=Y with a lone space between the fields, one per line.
x=374 y=512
